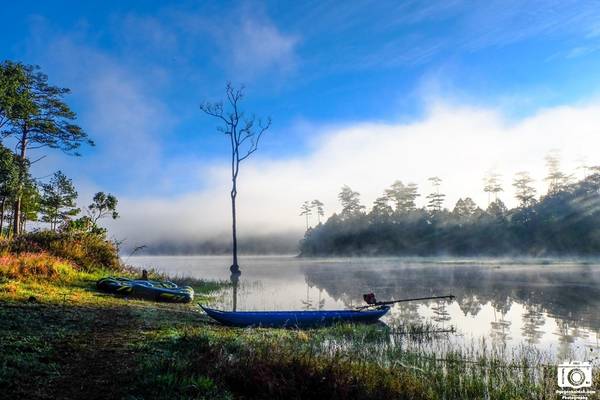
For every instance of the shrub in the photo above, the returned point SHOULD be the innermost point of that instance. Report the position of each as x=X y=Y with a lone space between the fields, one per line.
x=87 y=250
x=35 y=266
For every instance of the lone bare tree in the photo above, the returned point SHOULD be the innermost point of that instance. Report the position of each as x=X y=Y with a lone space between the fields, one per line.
x=244 y=134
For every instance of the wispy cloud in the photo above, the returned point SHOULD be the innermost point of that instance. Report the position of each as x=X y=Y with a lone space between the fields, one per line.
x=409 y=33
x=260 y=46
x=245 y=41
x=118 y=107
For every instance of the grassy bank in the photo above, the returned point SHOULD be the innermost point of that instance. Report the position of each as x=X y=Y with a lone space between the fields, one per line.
x=60 y=338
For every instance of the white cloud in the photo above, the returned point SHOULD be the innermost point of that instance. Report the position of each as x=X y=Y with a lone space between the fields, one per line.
x=244 y=42
x=458 y=143
x=250 y=44
x=119 y=109
x=259 y=45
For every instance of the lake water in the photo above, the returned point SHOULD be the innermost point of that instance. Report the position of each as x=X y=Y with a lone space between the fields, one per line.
x=553 y=305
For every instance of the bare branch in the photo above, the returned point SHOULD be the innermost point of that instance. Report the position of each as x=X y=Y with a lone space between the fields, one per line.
x=38 y=147
x=215 y=110
x=41 y=158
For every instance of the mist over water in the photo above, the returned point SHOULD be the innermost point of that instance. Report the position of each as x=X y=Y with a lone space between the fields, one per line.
x=550 y=304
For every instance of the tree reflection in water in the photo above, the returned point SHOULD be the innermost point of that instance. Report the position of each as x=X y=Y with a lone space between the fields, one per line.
x=533 y=320
x=568 y=292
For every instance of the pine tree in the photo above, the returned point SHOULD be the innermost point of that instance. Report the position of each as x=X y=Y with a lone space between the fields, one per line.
x=492 y=185
x=103 y=205
x=9 y=176
x=39 y=119
x=436 y=199
x=30 y=202
x=465 y=209
x=58 y=200
x=319 y=211
x=497 y=209
x=403 y=196
x=524 y=191
x=557 y=180
x=350 y=201
x=306 y=211
x=381 y=210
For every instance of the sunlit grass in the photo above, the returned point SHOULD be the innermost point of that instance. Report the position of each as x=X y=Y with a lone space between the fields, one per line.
x=176 y=352
x=372 y=361
x=361 y=361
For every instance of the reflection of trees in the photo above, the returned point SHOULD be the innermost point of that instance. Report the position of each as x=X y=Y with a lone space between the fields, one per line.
x=567 y=335
x=501 y=303
x=408 y=313
x=533 y=319
x=470 y=305
x=310 y=304
x=440 y=313
x=307 y=304
x=549 y=289
x=500 y=328
x=321 y=300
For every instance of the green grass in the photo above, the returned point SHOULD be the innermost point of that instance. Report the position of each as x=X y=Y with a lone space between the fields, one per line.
x=74 y=342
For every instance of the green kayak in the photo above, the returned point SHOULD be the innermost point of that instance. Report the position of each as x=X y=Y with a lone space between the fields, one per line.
x=150 y=290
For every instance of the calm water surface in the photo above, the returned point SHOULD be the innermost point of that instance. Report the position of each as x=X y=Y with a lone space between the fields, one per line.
x=553 y=305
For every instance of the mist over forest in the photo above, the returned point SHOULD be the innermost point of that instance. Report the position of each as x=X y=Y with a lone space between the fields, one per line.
x=564 y=221
x=265 y=244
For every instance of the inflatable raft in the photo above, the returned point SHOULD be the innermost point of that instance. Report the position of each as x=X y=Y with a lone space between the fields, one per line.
x=149 y=290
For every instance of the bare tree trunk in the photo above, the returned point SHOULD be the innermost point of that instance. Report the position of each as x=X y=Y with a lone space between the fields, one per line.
x=17 y=209
x=2 y=216
x=234 y=266
x=16 y=218
x=240 y=130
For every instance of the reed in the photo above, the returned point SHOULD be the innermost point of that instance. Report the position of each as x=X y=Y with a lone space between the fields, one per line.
x=350 y=362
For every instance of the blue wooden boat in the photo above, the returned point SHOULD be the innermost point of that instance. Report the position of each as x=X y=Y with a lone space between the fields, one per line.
x=295 y=319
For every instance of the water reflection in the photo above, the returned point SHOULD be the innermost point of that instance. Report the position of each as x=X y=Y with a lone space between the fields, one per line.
x=553 y=305
x=234 y=278
x=533 y=320
x=569 y=293
x=310 y=303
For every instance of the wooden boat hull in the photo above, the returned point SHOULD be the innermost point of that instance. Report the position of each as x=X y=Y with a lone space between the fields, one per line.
x=292 y=319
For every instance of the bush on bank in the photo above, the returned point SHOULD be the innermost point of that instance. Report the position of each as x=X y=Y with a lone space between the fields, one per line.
x=87 y=251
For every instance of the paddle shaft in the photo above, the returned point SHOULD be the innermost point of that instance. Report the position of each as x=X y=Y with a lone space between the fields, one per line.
x=385 y=303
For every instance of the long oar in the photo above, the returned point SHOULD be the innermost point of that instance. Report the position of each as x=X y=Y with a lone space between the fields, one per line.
x=385 y=303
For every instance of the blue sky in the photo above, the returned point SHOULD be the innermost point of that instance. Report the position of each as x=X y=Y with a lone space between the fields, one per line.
x=138 y=71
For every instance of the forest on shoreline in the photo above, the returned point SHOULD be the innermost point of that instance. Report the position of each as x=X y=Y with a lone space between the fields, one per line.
x=565 y=221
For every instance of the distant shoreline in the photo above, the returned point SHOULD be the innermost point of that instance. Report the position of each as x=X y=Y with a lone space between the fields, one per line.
x=444 y=259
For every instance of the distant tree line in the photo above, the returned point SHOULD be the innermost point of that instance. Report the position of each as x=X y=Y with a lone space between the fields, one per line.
x=563 y=221
x=34 y=116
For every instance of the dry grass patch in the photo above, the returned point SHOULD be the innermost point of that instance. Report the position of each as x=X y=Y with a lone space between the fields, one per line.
x=28 y=266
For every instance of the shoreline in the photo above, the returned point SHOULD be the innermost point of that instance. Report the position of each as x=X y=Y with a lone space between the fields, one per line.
x=115 y=347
